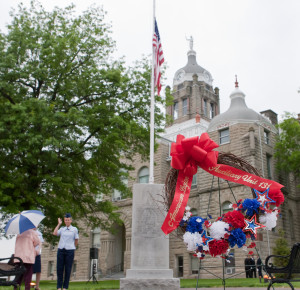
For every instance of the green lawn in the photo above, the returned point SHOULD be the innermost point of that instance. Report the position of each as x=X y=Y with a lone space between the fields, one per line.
x=51 y=285
x=184 y=283
x=235 y=282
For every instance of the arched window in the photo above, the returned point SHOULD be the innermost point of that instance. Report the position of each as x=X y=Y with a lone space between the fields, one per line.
x=144 y=175
x=226 y=206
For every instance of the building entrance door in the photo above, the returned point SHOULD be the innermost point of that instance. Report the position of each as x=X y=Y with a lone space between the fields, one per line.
x=179 y=266
x=119 y=248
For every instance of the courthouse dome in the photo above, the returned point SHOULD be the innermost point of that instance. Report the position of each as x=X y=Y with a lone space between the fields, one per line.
x=238 y=112
x=186 y=73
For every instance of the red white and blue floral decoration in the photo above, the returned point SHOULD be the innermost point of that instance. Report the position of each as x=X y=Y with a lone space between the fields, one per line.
x=236 y=228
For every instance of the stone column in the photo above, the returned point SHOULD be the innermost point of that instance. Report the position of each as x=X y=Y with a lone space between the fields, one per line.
x=149 y=246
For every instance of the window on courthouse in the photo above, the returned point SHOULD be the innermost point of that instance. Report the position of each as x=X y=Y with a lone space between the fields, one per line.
x=230 y=263
x=50 y=268
x=267 y=137
x=194 y=264
x=205 y=107
x=117 y=195
x=226 y=207
x=224 y=136
x=74 y=268
x=212 y=110
x=144 y=175
x=96 y=241
x=194 y=180
x=175 y=111
x=194 y=211
x=185 y=107
x=269 y=166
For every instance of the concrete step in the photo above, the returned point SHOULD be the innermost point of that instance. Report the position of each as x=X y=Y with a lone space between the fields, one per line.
x=116 y=276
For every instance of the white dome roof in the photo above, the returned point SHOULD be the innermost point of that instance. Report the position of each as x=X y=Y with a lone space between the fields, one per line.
x=186 y=73
x=238 y=112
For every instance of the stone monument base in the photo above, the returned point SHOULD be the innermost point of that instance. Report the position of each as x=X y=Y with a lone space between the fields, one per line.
x=149 y=246
x=149 y=284
x=149 y=274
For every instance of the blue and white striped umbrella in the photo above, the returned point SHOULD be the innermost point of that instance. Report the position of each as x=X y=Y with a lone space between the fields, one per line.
x=27 y=219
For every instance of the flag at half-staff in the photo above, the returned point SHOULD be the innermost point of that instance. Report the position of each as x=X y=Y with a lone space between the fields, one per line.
x=158 y=57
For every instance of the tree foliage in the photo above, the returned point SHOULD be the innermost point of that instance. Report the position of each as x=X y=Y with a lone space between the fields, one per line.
x=287 y=147
x=69 y=114
x=281 y=248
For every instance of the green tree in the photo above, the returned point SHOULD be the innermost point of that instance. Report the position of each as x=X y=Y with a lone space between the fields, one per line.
x=281 y=249
x=70 y=115
x=287 y=147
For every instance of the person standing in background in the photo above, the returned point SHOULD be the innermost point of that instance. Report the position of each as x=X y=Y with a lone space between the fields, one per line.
x=37 y=267
x=66 y=249
x=259 y=268
x=253 y=267
x=25 y=249
x=248 y=267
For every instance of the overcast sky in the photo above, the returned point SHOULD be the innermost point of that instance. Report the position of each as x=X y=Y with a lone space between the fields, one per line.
x=257 y=40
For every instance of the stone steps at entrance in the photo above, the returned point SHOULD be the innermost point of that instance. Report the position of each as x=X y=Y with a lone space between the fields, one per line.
x=114 y=276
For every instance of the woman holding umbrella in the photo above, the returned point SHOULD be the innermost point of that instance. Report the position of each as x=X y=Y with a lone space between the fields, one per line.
x=27 y=239
x=25 y=249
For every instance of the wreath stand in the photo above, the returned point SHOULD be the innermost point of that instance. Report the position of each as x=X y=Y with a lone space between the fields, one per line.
x=223 y=259
x=170 y=185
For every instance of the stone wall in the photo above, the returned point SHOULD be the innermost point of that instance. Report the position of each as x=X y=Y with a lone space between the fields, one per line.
x=247 y=142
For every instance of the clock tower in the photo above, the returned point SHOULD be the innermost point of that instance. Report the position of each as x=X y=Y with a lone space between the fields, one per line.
x=193 y=93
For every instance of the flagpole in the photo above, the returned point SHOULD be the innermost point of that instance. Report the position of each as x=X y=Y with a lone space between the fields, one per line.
x=151 y=173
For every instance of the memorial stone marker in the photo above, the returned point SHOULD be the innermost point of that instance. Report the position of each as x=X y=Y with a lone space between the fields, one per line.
x=149 y=245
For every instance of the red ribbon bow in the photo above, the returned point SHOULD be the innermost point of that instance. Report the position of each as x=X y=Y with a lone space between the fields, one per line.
x=187 y=153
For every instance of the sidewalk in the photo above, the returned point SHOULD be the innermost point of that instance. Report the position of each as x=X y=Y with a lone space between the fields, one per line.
x=232 y=288
x=236 y=288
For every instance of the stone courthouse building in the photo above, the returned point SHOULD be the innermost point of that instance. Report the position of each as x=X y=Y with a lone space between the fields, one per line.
x=239 y=130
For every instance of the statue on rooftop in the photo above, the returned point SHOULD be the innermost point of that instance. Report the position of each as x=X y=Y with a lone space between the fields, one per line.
x=191 y=42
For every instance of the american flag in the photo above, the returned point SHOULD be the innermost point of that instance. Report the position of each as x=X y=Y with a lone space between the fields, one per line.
x=158 y=58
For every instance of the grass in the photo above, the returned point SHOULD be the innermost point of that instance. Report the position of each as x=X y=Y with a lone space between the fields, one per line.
x=184 y=283
x=236 y=282
x=51 y=285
